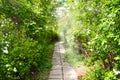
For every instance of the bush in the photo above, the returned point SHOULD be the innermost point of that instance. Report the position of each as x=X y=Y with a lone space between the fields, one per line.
x=26 y=38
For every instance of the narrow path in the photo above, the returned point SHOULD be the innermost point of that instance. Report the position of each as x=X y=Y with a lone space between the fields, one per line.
x=61 y=70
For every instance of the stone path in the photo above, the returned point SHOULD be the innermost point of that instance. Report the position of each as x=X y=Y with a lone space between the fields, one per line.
x=61 y=70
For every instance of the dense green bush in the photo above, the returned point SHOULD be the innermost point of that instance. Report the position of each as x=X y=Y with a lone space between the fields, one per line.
x=96 y=29
x=105 y=43
x=27 y=34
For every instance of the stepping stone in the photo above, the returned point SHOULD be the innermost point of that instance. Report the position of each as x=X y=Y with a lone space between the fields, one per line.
x=55 y=74
x=57 y=67
x=56 y=63
x=55 y=79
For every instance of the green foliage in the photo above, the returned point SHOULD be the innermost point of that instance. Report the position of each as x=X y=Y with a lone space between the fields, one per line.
x=72 y=57
x=96 y=29
x=98 y=73
x=27 y=34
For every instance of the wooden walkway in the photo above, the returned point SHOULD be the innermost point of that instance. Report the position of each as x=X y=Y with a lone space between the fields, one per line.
x=61 y=70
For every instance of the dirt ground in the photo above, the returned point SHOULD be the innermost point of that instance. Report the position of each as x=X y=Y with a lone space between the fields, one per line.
x=81 y=71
